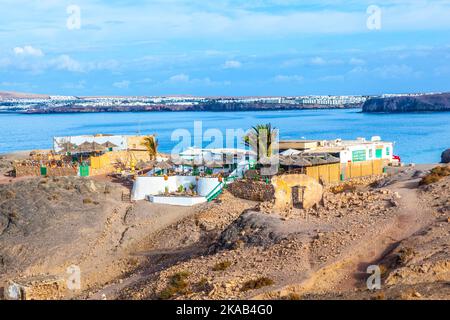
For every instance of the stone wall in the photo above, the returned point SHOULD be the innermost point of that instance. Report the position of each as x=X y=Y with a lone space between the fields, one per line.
x=252 y=190
x=22 y=171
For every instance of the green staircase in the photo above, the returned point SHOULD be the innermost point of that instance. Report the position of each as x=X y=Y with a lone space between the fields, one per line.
x=218 y=189
x=215 y=192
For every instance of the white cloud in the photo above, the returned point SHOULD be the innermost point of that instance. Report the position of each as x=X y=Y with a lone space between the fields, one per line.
x=186 y=80
x=28 y=51
x=392 y=71
x=290 y=78
x=232 y=64
x=357 y=62
x=124 y=84
x=179 y=78
x=318 y=61
x=78 y=85
x=65 y=62
x=395 y=71
x=332 y=78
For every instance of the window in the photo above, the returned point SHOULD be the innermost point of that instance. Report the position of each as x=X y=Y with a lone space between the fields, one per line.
x=388 y=151
x=379 y=153
x=370 y=153
x=359 y=155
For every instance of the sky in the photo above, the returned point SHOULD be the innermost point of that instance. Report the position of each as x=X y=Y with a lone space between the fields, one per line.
x=224 y=47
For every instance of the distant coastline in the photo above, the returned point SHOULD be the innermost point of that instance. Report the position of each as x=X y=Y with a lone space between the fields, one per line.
x=192 y=108
x=386 y=103
x=424 y=103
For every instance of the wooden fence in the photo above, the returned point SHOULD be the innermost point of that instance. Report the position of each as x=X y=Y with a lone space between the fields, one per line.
x=362 y=169
x=328 y=172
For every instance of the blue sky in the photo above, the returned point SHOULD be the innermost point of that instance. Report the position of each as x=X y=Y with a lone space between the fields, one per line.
x=224 y=47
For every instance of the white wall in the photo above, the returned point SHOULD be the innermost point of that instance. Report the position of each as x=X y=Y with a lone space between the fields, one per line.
x=177 y=201
x=145 y=186
x=206 y=185
x=346 y=155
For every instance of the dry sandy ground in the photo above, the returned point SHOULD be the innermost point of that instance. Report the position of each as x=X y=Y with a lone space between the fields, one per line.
x=322 y=256
x=6 y=164
x=133 y=251
x=48 y=224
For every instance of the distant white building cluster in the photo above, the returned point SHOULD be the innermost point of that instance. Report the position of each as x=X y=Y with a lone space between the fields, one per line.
x=12 y=104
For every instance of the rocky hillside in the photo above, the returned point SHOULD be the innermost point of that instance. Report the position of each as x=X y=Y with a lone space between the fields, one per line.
x=432 y=102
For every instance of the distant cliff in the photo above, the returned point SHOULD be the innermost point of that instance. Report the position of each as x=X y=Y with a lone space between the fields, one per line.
x=431 y=102
x=208 y=106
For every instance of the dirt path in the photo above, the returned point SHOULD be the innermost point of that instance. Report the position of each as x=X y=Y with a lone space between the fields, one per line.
x=348 y=272
x=412 y=216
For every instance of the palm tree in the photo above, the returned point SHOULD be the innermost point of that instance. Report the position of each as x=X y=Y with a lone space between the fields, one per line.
x=261 y=139
x=151 y=144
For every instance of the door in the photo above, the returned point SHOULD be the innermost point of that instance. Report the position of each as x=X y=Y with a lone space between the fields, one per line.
x=297 y=196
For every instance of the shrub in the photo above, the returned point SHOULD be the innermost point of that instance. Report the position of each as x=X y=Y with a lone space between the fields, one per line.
x=343 y=188
x=53 y=197
x=177 y=285
x=293 y=296
x=429 y=179
x=379 y=296
x=87 y=200
x=256 y=284
x=203 y=285
x=221 y=266
x=180 y=188
x=435 y=175
x=404 y=255
x=8 y=194
x=13 y=214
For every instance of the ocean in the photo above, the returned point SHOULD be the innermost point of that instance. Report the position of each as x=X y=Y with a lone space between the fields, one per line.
x=418 y=137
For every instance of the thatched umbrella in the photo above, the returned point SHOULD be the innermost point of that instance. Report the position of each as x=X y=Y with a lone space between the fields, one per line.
x=332 y=159
x=286 y=161
x=67 y=146
x=179 y=161
x=164 y=165
x=142 y=165
x=85 y=147
x=317 y=161
x=109 y=144
x=302 y=162
x=97 y=146
x=214 y=164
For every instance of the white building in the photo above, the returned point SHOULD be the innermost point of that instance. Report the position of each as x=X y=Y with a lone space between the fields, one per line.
x=347 y=150
x=227 y=156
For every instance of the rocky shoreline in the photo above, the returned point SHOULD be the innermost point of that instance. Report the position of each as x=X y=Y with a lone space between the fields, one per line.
x=212 y=107
x=420 y=103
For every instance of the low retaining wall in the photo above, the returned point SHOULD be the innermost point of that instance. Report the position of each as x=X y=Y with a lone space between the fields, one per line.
x=177 y=201
x=252 y=190
x=146 y=186
x=21 y=171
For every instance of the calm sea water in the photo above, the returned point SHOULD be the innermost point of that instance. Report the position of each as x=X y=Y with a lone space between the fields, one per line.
x=419 y=137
